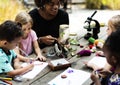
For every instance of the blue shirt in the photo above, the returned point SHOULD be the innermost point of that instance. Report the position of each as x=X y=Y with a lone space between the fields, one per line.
x=113 y=79
x=6 y=60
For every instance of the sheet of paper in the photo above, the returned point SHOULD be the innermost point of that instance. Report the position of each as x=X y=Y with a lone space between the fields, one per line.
x=99 y=61
x=74 y=77
x=61 y=61
x=39 y=66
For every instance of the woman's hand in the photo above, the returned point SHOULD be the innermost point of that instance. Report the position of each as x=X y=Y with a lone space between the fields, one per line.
x=48 y=40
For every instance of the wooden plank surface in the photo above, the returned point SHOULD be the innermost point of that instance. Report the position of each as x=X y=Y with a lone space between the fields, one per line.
x=77 y=62
x=42 y=73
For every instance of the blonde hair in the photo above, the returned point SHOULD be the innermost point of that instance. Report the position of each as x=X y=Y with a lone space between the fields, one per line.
x=114 y=23
x=23 y=18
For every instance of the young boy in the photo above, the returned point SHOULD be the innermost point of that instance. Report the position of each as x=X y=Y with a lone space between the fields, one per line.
x=10 y=35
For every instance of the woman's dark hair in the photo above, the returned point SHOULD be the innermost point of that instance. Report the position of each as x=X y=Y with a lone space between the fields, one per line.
x=10 y=30
x=112 y=45
x=41 y=3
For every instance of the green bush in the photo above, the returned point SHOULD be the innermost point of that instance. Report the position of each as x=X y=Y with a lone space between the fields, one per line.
x=102 y=4
x=9 y=9
x=93 y=4
x=113 y=4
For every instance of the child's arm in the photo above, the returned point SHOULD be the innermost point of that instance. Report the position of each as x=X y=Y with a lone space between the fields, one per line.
x=107 y=66
x=22 y=70
x=105 y=70
x=38 y=51
x=92 y=65
x=19 y=56
x=22 y=58
x=17 y=63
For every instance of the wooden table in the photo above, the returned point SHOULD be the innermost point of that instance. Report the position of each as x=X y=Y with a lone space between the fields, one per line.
x=77 y=63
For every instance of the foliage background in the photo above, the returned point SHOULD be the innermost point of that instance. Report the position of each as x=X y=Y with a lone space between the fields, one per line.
x=9 y=9
x=103 y=4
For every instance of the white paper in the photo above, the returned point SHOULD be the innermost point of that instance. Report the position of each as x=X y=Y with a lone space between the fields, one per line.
x=60 y=61
x=74 y=77
x=38 y=67
x=99 y=61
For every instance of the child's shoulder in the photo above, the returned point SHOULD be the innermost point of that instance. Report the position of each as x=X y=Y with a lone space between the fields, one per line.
x=33 y=33
x=1 y=50
x=115 y=78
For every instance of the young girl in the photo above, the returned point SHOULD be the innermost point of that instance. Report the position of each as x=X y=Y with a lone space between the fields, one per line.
x=29 y=42
x=113 y=25
x=111 y=50
x=10 y=35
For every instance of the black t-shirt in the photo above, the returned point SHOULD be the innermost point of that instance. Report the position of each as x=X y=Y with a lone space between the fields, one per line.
x=44 y=27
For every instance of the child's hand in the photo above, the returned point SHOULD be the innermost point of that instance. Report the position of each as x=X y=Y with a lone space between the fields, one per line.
x=104 y=72
x=30 y=60
x=28 y=66
x=31 y=66
x=95 y=76
x=91 y=65
x=100 y=53
x=41 y=58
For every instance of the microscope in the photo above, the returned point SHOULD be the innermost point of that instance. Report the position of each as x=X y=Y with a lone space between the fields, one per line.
x=95 y=29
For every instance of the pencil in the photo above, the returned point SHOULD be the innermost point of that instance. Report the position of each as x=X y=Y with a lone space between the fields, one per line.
x=4 y=78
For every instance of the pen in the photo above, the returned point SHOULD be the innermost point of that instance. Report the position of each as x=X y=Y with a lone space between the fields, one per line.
x=3 y=78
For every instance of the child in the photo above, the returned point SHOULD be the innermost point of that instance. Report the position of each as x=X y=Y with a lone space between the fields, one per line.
x=29 y=40
x=10 y=35
x=113 y=25
x=111 y=50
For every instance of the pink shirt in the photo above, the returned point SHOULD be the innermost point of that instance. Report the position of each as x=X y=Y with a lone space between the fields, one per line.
x=27 y=44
